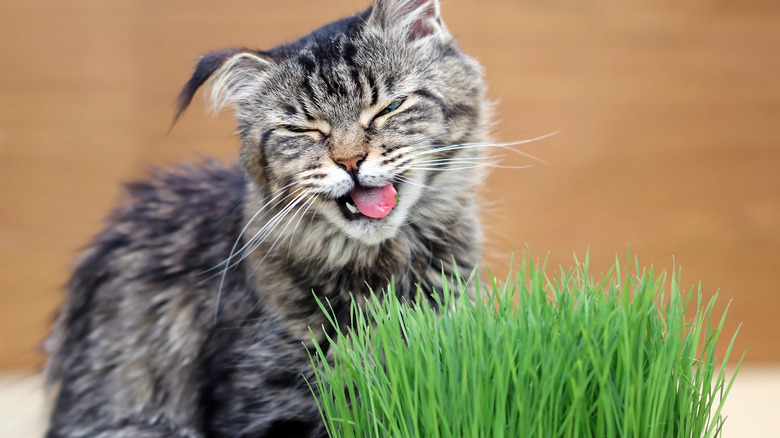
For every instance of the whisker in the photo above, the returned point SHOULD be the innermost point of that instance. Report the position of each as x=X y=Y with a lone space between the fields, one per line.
x=308 y=201
x=417 y=184
x=433 y=137
x=459 y=160
x=431 y=149
x=247 y=244
x=463 y=166
x=308 y=205
x=506 y=146
x=475 y=166
x=281 y=233
x=234 y=253
x=267 y=229
x=425 y=139
x=432 y=169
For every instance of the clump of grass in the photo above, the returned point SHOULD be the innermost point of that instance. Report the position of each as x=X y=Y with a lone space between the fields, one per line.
x=533 y=356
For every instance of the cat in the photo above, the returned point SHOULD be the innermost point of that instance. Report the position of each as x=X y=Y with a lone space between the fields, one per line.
x=189 y=314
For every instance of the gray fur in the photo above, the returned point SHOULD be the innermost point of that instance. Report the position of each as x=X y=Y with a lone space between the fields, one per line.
x=188 y=314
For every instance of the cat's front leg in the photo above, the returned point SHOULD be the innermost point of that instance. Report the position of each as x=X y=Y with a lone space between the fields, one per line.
x=119 y=428
x=130 y=431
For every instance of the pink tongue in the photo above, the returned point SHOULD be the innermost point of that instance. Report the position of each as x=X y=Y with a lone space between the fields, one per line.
x=374 y=202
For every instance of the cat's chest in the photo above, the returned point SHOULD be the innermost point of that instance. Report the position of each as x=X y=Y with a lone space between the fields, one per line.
x=255 y=366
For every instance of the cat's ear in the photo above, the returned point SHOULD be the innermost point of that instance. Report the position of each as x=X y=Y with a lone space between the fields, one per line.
x=232 y=73
x=412 y=19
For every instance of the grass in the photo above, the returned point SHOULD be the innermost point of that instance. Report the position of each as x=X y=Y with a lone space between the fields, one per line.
x=561 y=356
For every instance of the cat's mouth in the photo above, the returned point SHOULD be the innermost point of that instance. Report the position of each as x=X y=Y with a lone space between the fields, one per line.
x=368 y=202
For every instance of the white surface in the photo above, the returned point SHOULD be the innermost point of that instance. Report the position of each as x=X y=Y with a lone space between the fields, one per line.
x=752 y=408
x=22 y=406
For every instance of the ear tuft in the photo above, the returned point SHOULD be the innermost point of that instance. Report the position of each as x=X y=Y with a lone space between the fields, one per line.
x=414 y=19
x=232 y=72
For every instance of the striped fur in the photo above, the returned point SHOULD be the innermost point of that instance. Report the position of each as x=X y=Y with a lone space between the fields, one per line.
x=188 y=314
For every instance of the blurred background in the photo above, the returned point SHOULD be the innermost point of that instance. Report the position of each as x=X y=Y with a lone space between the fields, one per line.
x=668 y=143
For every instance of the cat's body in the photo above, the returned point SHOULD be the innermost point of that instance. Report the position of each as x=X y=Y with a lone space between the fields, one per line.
x=188 y=315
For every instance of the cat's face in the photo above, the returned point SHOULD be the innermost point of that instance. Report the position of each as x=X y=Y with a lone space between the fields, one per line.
x=347 y=123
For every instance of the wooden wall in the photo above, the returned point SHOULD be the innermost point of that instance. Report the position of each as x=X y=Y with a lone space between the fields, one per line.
x=667 y=112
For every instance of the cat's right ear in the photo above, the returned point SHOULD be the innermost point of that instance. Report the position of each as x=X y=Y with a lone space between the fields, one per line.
x=409 y=19
x=233 y=73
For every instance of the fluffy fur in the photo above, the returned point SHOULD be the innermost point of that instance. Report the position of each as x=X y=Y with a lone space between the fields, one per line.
x=189 y=314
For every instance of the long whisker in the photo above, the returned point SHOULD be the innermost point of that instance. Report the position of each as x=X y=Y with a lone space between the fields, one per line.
x=430 y=149
x=434 y=137
x=473 y=166
x=266 y=230
x=445 y=168
x=308 y=205
x=430 y=139
x=281 y=233
x=270 y=207
x=459 y=160
x=478 y=146
x=509 y=143
x=233 y=253
x=443 y=163
x=407 y=180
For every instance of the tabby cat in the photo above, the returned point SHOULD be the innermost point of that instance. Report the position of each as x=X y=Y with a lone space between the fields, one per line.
x=189 y=314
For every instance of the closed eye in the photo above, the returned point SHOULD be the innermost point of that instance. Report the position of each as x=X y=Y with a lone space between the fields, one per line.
x=301 y=129
x=390 y=108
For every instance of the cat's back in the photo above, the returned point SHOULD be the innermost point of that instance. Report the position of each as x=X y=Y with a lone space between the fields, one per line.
x=175 y=223
x=142 y=295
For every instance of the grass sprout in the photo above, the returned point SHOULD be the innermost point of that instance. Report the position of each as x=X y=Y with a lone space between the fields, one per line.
x=629 y=355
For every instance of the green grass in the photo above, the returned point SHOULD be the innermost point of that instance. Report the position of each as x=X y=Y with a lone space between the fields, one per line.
x=561 y=356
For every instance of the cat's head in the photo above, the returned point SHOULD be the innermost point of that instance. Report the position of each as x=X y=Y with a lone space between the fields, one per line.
x=355 y=116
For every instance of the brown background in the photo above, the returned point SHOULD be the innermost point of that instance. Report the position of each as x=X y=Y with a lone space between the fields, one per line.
x=668 y=112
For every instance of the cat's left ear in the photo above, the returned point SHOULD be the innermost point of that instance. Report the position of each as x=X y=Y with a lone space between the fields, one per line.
x=412 y=19
x=232 y=73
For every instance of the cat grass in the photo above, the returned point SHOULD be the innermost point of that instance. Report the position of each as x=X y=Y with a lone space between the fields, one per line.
x=558 y=356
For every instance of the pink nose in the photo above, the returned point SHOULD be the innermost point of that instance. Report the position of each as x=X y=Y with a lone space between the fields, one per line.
x=350 y=164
